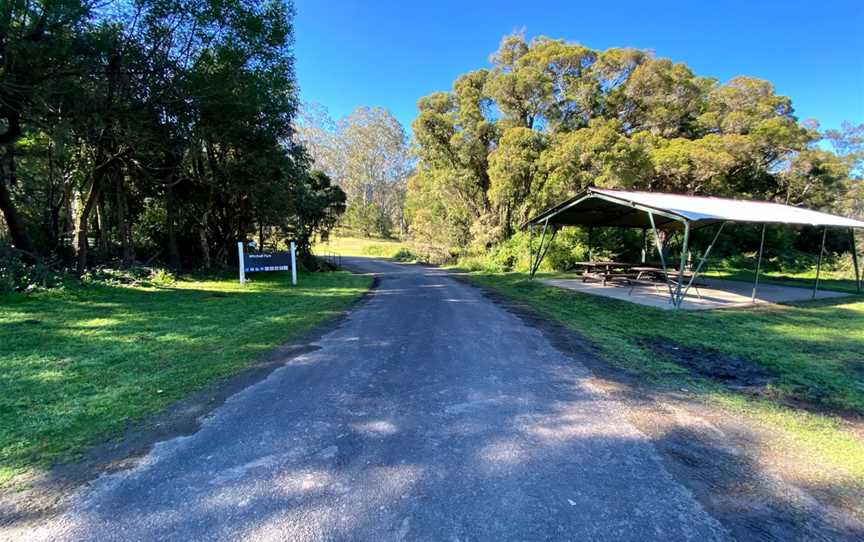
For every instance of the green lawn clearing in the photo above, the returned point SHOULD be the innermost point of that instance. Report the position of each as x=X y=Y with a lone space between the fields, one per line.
x=814 y=352
x=828 y=280
x=79 y=364
x=360 y=246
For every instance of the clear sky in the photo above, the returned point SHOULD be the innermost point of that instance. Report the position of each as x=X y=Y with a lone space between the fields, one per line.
x=389 y=53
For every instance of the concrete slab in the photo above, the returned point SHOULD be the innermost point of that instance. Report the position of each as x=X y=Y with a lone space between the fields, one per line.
x=717 y=293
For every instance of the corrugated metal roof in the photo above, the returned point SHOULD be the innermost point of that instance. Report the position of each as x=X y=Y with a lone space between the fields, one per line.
x=585 y=209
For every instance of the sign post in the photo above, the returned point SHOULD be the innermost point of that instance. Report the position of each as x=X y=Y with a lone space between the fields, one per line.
x=293 y=264
x=242 y=263
x=261 y=262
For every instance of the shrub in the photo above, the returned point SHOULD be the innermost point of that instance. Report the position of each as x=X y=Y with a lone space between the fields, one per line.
x=132 y=276
x=404 y=255
x=18 y=276
x=161 y=278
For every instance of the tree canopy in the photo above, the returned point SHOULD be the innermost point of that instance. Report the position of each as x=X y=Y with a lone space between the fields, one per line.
x=549 y=118
x=145 y=129
x=367 y=154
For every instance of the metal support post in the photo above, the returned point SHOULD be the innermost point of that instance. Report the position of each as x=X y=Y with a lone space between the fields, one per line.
x=660 y=252
x=293 y=264
x=535 y=264
x=644 y=244
x=678 y=297
x=819 y=263
x=242 y=262
x=855 y=260
x=758 y=265
x=703 y=260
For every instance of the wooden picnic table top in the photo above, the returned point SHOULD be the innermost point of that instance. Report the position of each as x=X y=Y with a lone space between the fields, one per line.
x=605 y=264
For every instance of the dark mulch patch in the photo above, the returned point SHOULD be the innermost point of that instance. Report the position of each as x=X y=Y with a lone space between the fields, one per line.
x=732 y=371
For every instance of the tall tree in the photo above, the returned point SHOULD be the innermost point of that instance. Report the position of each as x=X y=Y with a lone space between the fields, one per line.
x=550 y=118
x=367 y=155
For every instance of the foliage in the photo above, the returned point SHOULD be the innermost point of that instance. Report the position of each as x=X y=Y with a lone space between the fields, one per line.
x=155 y=129
x=19 y=275
x=366 y=154
x=550 y=118
x=404 y=255
x=137 y=276
x=364 y=219
x=82 y=363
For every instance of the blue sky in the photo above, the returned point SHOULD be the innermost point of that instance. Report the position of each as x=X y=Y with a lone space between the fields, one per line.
x=390 y=53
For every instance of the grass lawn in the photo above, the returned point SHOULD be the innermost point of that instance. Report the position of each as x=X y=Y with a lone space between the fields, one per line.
x=358 y=246
x=79 y=364
x=814 y=351
x=828 y=280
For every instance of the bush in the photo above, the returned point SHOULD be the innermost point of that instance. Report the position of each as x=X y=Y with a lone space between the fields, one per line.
x=18 y=276
x=404 y=255
x=162 y=278
x=132 y=276
x=368 y=220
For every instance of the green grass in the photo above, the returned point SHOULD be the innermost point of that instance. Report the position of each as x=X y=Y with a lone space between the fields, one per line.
x=815 y=350
x=359 y=246
x=828 y=280
x=101 y=357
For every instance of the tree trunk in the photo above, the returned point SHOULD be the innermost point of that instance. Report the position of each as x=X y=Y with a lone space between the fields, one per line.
x=17 y=228
x=101 y=225
x=205 y=246
x=170 y=226
x=82 y=226
x=123 y=224
x=82 y=222
x=68 y=220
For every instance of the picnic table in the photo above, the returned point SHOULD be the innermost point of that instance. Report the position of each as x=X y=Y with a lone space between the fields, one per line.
x=631 y=273
x=606 y=271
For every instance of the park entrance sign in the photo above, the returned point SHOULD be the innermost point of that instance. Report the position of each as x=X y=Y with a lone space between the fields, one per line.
x=262 y=262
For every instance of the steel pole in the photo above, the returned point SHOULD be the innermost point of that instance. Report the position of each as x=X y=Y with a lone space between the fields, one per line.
x=293 y=264
x=683 y=263
x=242 y=262
x=644 y=244
x=536 y=265
x=758 y=265
x=819 y=262
x=660 y=252
x=704 y=258
x=855 y=260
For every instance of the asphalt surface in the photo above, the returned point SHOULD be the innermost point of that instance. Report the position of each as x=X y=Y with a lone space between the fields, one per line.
x=429 y=414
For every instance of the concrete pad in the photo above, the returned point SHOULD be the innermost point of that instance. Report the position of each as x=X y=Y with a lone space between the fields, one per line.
x=717 y=294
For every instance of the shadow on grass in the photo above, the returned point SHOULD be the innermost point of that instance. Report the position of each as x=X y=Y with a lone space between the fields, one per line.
x=101 y=357
x=420 y=461
x=809 y=347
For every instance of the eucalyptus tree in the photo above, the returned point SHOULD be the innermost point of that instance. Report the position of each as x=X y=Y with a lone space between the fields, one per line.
x=549 y=118
x=367 y=155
